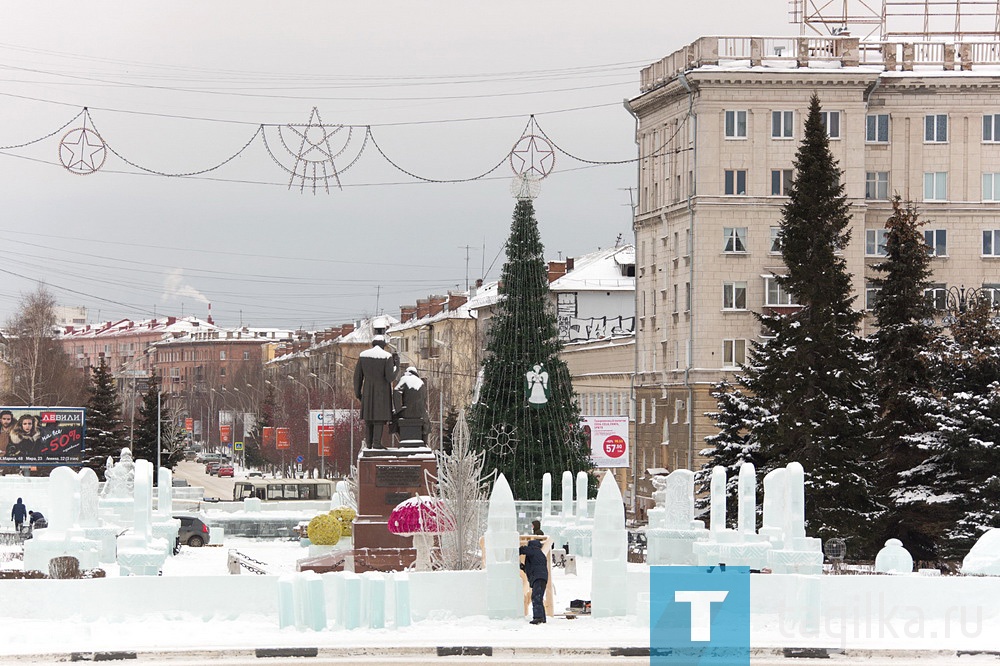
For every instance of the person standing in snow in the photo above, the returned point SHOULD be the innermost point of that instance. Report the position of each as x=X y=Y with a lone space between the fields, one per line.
x=536 y=569
x=18 y=513
x=373 y=377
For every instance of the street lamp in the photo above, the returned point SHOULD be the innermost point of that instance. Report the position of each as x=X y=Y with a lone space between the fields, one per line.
x=322 y=409
x=351 y=461
x=308 y=401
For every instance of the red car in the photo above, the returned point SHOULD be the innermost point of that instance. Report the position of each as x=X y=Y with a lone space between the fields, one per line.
x=225 y=471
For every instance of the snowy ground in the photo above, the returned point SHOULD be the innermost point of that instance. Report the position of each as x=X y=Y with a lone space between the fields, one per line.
x=184 y=632
x=172 y=635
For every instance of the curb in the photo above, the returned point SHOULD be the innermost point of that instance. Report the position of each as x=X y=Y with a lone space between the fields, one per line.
x=445 y=651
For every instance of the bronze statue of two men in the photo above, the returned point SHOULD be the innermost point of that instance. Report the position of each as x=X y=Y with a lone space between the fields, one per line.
x=374 y=375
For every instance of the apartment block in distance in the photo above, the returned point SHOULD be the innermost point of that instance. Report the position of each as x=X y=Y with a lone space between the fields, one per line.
x=718 y=125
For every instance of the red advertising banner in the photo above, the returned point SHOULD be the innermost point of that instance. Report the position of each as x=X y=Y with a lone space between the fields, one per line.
x=267 y=434
x=282 y=439
x=42 y=436
x=225 y=434
x=325 y=448
x=189 y=425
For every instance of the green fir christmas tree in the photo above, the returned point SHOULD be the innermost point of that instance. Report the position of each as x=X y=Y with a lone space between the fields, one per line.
x=144 y=438
x=527 y=418
x=105 y=430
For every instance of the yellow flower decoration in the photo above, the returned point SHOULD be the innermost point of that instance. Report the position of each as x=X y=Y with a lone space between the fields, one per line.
x=324 y=530
x=345 y=515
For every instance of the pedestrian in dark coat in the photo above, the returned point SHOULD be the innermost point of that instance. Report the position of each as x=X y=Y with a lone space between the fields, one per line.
x=18 y=513
x=373 y=377
x=536 y=569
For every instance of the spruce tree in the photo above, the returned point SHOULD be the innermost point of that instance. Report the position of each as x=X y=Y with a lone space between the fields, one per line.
x=527 y=418
x=144 y=438
x=807 y=378
x=731 y=446
x=905 y=332
x=960 y=478
x=105 y=434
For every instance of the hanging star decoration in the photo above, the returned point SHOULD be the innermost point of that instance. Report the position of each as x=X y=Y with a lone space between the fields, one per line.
x=81 y=150
x=316 y=147
x=501 y=440
x=532 y=158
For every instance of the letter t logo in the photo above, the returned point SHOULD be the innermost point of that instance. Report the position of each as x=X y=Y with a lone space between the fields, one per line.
x=701 y=610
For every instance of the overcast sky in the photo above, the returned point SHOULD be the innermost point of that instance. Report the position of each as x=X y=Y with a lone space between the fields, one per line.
x=447 y=88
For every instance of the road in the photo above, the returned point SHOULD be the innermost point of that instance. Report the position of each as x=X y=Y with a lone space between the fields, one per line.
x=194 y=474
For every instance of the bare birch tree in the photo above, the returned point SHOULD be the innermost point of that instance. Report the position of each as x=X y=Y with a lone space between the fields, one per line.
x=41 y=372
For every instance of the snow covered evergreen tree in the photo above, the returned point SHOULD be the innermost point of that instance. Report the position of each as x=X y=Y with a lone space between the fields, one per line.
x=144 y=438
x=527 y=419
x=960 y=480
x=732 y=445
x=903 y=379
x=105 y=434
x=808 y=377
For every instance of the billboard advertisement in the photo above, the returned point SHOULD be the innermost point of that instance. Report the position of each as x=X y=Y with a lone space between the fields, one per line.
x=267 y=435
x=282 y=440
x=608 y=440
x=42 y=435
x=225 y=434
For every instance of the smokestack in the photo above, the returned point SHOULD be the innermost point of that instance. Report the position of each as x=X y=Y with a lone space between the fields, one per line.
x=210 y=314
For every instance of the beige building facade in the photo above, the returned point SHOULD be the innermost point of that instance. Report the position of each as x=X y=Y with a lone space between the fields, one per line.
x=718 y=126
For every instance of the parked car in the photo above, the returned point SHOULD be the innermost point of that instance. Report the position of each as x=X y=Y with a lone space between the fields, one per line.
x=255 y=474
x=212 y=468
x=225 y=470
x=193 y=532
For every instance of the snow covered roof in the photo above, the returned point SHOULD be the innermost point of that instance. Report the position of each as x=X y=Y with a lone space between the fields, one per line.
x=130 y=327
x=486 y=295
x=603 y=270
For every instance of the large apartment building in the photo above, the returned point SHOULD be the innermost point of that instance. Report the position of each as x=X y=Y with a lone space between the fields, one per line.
x=718 y=125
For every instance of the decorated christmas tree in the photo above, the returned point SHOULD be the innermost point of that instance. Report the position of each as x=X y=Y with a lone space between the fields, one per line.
x=526 y=418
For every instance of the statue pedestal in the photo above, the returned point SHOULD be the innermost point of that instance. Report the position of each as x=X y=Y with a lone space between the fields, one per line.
x=386 y=477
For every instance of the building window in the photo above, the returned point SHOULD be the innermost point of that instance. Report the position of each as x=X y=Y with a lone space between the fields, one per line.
x=675 y=299
x=735 y=239
x=775 y=295
x=734 y=353
x=877 y=185
x=775 y=240
x=877 y=128
x=937 y=296
x=937 y=242
x=936 y=128
x=222 y=354
x=936 y=186
x=992 y=291
x=246 y=356
x=875 y=242
x=222 y=371
x=687 y=297
x=991 y=187
x=781 y=181
x=991 y=128
x=871 y=295
x=734 y=295
x=831 y=123
x=781 y=124
x=991 y=243
x=736 y=124
x=736 y=181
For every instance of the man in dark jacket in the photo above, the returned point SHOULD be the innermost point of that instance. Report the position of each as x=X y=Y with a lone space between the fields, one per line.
x=18 y=513
x=536 y=569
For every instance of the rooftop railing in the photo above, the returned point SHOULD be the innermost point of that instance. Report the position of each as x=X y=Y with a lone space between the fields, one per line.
x=797 y=52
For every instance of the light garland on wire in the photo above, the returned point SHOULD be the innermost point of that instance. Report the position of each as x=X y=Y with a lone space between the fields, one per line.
x=323 y=152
